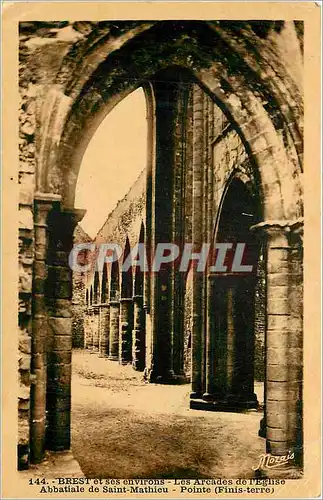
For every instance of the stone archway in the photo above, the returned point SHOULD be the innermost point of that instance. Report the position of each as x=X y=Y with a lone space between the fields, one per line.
x=233 y=65
x=104 y=332
x=229 y=378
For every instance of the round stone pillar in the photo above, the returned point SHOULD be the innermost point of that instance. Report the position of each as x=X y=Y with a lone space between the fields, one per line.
x=229 y=343
x=59 y=292
x=43 y=204
x=210 y=344
x=96 y=327
x=197 y=225
x=89 y=333
x=283 y=385
x=86 y=327
x=138 y=334
x=125 y=330
x=114 y=330
x=104 y=330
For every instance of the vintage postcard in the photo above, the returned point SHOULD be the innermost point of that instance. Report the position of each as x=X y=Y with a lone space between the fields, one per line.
x=161 y=250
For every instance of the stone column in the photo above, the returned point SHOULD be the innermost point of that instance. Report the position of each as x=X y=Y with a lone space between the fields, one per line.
x=114 y=330
x=296 y=332
x=42 y=205
x=161 y=224
x=209 y=341
x=244 y=305
x=283 y=341
x=89 y=337
x=138 y=334
x=96 y=327
x=59 y=291
x=221 y=317
x=231 y=340
x=229 y=343
x=198 y=278
x=125 y=330
x=86 y=327
x=210 y=337
x=104 y=329
x=177 y=278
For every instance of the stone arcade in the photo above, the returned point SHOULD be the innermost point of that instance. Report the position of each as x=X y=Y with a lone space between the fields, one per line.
x=224 y=111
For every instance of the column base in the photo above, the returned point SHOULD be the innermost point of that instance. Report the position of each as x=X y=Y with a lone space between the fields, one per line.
x=169 y=378
x=195 y=395
x=23 y=456
x=271 y=468
x=124 y=362
x=229 y=403
x=113 y=357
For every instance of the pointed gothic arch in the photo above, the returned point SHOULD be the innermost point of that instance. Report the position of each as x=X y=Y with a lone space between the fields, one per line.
x=231 y=302
x=105 y=284
x=243 y=74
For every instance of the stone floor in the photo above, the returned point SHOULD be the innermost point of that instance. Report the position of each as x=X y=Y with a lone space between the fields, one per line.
x=56 y=464
x=123 y=427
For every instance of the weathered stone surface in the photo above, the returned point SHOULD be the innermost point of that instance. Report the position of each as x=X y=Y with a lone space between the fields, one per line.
x=62 y=342
x=24 y=362
x=60 y=326
x=60 y=308
x=24 y=343
x=198 y=153
x=26 y=218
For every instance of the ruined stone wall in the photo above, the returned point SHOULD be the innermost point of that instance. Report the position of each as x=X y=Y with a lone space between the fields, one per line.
x=27 y=168
x=40 y=55
x=228 y=157
x=60 y=95
x=123 y=222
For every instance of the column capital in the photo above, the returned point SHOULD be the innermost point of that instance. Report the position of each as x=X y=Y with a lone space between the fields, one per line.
x=297 y=232
x=280 y=232
x=125 y=299
x=43 y=203
x=40 y=197
x=75 y=214
x=62 y=222
x=275 y=225
x=114 y=303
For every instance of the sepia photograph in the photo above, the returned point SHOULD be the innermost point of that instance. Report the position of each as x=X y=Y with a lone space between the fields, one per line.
x=160 y=287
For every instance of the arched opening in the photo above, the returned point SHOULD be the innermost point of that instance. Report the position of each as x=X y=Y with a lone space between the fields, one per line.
x=126 y=275
x=231 y=370
x=114 y=279
x=96 y=287
x=104 y=179
x=104 y=314
x=138 y=273
x=105 y=284
x=95 y=317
